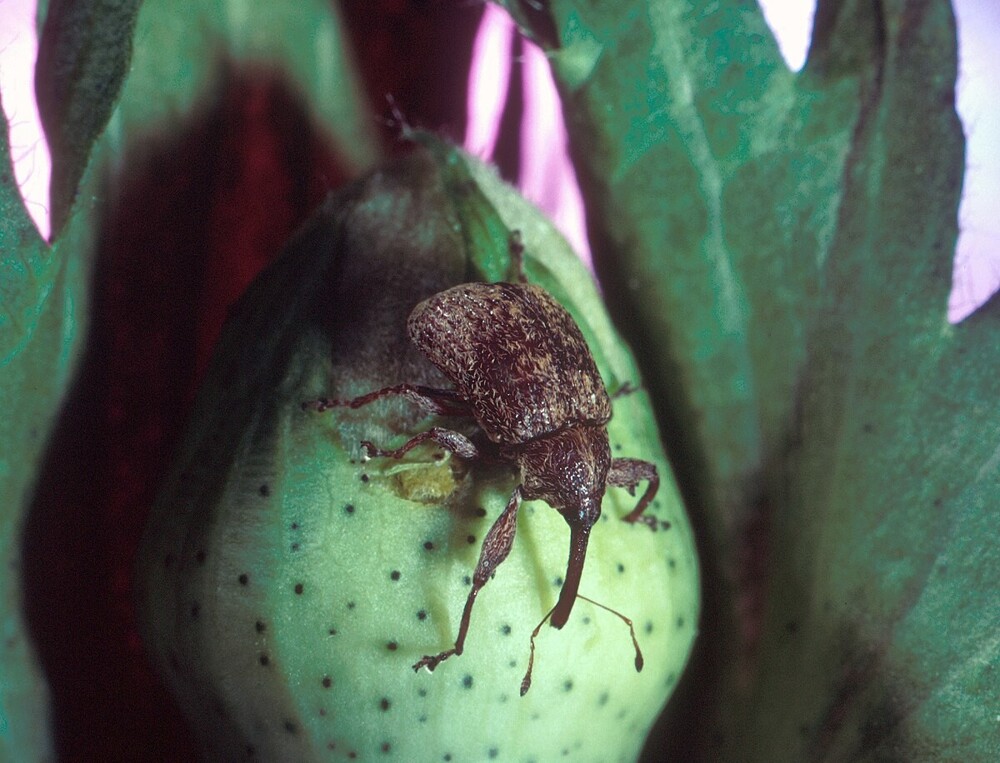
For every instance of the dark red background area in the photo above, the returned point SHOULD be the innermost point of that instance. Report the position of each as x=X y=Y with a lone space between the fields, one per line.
x=195 y=217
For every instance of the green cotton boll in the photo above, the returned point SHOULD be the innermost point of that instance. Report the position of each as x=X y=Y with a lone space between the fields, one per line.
x=289 y=583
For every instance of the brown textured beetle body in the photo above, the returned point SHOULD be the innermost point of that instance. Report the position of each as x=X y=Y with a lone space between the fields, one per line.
x=515 y=355
x=522 y=369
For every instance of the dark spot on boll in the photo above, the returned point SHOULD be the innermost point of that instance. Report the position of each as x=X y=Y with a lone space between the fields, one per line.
x=680 y=623
x=290 y=727
x=467 y=681
x=294 y=526
x=349 y=508
x=422 y=614
x=299 y=588
x=386 y=747
x=568 y=685
x=421 y=692
x=621 y=567
x=602 y=700
x=264 y=490
x=470 y=539
x=364 y=477
x=467 y=580
x=428 y=546
x=260 y=626
x=558 y=582
x=243 y=578
x=295 y=547
x=264 y=660
x=384 y=704
x=665 y=525
x=327 y=682
x=493 y=752
x=672 y=563
x=392 y=646
x=332 y=632
x=322 y=712
x=648 y=627
x=351 y=605
x=395 y=575
x=505 y=629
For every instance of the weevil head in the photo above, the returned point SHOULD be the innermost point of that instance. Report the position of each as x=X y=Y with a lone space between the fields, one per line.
x=569 y=470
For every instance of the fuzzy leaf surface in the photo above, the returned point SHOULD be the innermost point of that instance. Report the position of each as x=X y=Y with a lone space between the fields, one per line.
x=781 y=246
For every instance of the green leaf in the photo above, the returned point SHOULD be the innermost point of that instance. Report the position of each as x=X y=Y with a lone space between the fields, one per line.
x=83 y=57
x=37 y=325
x=175 y=56
x=781 y=247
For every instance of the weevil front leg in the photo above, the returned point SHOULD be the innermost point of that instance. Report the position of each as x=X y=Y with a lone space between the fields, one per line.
x=628 y=473
x=496 y=546
x=448 y=439
x=443 y=402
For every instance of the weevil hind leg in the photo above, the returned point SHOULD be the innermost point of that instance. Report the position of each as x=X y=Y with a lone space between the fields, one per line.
x=628 y=473
x=443 y=402
x=496 y=546
x=515 y=245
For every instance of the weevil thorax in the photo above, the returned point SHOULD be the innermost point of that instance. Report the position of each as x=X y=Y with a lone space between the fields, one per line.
x=569 y=470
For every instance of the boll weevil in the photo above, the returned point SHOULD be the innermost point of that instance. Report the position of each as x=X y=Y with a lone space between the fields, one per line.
x=523 y=372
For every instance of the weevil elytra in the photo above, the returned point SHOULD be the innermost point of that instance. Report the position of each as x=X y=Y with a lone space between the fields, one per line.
x=523 y=371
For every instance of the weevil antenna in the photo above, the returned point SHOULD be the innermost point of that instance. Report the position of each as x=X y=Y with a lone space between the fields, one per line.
x=526 y=681
x=631 y=629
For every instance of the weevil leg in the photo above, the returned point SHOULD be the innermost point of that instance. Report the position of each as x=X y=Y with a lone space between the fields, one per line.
x=627 y=388
x=628 y=473
x=496 y=546
x=443 y=402
x=515 y=245
x=448 y=439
